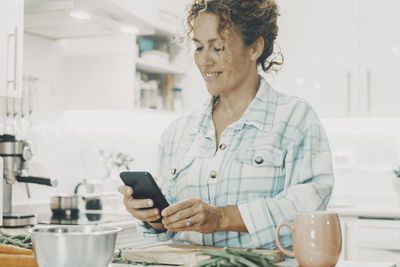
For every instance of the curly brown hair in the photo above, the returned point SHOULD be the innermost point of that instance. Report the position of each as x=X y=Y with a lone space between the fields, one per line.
x=250 y=18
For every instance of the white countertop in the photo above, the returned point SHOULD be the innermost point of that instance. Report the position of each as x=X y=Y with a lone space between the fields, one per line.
x=126 y=224
x=345 y=263
x=368 y=207
x=293 y=263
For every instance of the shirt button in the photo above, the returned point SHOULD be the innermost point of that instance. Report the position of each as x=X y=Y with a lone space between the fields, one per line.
x=222 y=147
x=259 y=160
x=173 y=171
x=213 y=174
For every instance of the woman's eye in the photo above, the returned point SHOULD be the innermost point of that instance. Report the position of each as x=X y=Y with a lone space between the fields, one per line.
x=217 y=49
x=198 y=49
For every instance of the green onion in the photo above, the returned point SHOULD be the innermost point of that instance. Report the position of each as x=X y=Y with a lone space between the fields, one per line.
x=228 y=257
x=21 y=240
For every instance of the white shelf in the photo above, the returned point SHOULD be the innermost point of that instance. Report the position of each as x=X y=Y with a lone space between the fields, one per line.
x=157 y=67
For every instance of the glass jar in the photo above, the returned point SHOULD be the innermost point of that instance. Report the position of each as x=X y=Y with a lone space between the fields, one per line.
x=178 y=100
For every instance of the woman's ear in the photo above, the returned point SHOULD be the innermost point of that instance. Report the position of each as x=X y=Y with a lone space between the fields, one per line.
x=256 y=49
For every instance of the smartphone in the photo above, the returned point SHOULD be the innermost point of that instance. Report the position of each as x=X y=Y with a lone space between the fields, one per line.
x=144 y=186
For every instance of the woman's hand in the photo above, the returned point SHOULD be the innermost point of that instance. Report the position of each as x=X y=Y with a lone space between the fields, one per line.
x=192 y=215
x=135 y=207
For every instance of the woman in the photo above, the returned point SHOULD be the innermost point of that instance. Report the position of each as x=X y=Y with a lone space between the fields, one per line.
x=252 y=157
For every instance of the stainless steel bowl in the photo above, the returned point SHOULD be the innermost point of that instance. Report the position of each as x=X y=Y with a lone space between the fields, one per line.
x=72 y=246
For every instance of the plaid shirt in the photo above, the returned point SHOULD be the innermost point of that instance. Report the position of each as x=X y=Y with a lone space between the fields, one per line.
x=273 y=162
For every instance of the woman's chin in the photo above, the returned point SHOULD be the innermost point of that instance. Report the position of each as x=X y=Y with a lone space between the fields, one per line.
x=213 y=91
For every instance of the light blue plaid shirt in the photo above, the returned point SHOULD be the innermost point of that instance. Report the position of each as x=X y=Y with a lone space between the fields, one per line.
x=274 y=161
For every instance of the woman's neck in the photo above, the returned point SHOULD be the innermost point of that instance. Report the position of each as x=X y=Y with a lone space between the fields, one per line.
x=235 y=103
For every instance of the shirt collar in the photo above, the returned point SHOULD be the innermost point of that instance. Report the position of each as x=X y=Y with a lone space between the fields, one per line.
x=260 y=113
x=204 y=118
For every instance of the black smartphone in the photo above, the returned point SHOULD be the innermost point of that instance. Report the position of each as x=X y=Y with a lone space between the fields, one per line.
x=144 y=186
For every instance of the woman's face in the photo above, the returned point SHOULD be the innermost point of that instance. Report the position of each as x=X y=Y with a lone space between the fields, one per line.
x=224 y=65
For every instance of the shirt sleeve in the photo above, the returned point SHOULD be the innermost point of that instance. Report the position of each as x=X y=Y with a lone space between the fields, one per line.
x=144 y=228
x=308 y=186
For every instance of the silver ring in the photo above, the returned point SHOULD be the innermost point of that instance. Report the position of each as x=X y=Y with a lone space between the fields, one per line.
x=189 y=221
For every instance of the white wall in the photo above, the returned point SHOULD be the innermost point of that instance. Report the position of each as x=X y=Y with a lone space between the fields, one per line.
x=83 y=74
x=91 y=85
x=100 y=72
x=44 y=58
x=365 y=152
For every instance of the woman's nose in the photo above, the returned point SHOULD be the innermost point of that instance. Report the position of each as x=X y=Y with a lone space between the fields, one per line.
x=206 y=59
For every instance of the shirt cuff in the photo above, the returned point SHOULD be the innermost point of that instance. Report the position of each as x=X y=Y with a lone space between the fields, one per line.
x=260 y=224
x=146 y=230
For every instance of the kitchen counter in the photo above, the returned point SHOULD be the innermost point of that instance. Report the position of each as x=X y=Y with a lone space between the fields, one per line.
x=359 y=208
x=345 y=263
x=124 y=224
x=129 y=227
x=128 y=237
x=293 y=263
x=385 y=208
x=390 y=211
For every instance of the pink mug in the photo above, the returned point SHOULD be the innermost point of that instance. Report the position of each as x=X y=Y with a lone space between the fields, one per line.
x=317 y=238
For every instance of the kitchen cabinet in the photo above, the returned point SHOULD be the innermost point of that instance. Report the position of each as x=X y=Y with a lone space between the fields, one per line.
x=341 y=56
x=370 y=230
x=379 y=38
x=11 y=47
x=373 y=240
x=319 y=51
x=161 y=15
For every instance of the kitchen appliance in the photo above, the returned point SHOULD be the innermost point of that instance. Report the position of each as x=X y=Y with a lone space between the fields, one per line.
x=94 y=191
x=83 y=246
x=65 y=206
x=92 y=187
x=15 y=155
x=1 y=191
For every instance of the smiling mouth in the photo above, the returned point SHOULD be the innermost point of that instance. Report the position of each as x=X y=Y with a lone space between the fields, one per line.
x=210 y=76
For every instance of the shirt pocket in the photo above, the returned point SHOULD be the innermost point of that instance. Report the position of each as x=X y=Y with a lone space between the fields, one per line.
x=255 y=171
x=264 y=156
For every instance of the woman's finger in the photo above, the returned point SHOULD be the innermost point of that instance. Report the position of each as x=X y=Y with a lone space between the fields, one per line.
x=152 y=219
x=179 y=206
x=182 y=225
x=138 y=203
x=145 y=215
x=125 y=190
x=121 y=189
x=178 y=216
